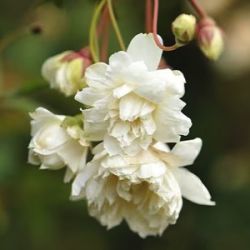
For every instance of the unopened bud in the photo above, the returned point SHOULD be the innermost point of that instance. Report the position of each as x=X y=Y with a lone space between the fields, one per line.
x=210 y=38
x=183 y=28
x=65 y=72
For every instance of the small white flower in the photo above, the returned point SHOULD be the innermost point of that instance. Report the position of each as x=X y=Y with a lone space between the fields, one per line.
x=145 y=190
x=54 y=146
x=131 y=101
x=65 y=71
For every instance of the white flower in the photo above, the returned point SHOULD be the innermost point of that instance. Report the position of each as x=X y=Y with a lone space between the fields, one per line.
x=54 y=146
x=131 y=101
x=65 y=71
x=145 y=190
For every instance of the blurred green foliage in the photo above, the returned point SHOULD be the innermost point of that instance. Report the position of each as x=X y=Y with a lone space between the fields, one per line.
x=35 y=211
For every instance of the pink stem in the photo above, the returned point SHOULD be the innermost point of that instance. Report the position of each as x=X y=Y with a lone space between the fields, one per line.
x=148 y=14
x=198 y=8
x=155 y=23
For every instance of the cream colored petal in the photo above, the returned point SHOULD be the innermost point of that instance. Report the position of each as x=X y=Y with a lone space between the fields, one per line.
x=42 y=117
x=95 y=76
x=68 y=176
x=122 y=91
x=143 y=48
x=152 y=89
x=94 y=115
x=161 y=147
x=51 y=65
x=149 y=124
x=119 y=60
x=131 y=107
x=48 y=139
x=74 y=155
x=112 y=145
x=152 y=170
x=170 y=124
x=89 y=96
x=192 y=188
x=52 y=162
x=187 y=151
x=81 y=179
x=173 y=79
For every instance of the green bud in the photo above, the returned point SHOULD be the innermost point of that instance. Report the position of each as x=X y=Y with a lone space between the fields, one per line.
x=183 y=28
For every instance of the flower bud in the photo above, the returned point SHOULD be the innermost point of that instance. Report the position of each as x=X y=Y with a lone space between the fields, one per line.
x=183 y=28
x=210 y=38
x=65 y=71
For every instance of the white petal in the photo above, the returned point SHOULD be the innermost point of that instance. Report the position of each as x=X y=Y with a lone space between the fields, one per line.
x=119 y=129
x=52 y=162
x=143 y=48
x=68 y=176
x=62 y=82
x=119 y=60
x=95 y=76
x=171 y=122
x=152 y=89
x=51 y=65
x=187 y=151
x=89 y=96
x=81 y=179
x=43 y=117
x=112 y=145
x=154 y=169
x=149 y=124
x=74 y=155
x=131 y=107
x=173 y=79
x=122 y=91
x=161 y=147
x=50 y=138
x=94 y=115
x=192 y=188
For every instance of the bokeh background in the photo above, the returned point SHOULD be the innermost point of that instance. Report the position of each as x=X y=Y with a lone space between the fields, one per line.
x=35 y=211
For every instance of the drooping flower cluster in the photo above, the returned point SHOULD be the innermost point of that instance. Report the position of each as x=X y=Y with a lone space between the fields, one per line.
x=132 y=109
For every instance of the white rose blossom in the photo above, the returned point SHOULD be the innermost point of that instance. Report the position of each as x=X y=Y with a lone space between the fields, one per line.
x=131 y=101
x=65 y=71
x=54 y=146
x=145 y=190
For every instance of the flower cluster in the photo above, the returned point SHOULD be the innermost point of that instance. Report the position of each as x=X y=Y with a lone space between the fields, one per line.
x=131 y=110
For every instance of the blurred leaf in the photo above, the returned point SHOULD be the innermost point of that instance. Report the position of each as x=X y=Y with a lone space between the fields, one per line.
x=22 y=104
x=58 y=3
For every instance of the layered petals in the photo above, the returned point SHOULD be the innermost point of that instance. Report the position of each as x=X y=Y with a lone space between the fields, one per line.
x=145 y=190
x=54 y=146
x=140 y=190
x=130 y=94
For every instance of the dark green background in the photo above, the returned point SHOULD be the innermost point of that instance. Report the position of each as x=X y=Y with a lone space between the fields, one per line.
x=35 y=211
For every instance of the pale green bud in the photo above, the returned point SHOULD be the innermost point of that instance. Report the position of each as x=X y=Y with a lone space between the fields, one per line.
x=183 y=28
x=210 y=39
